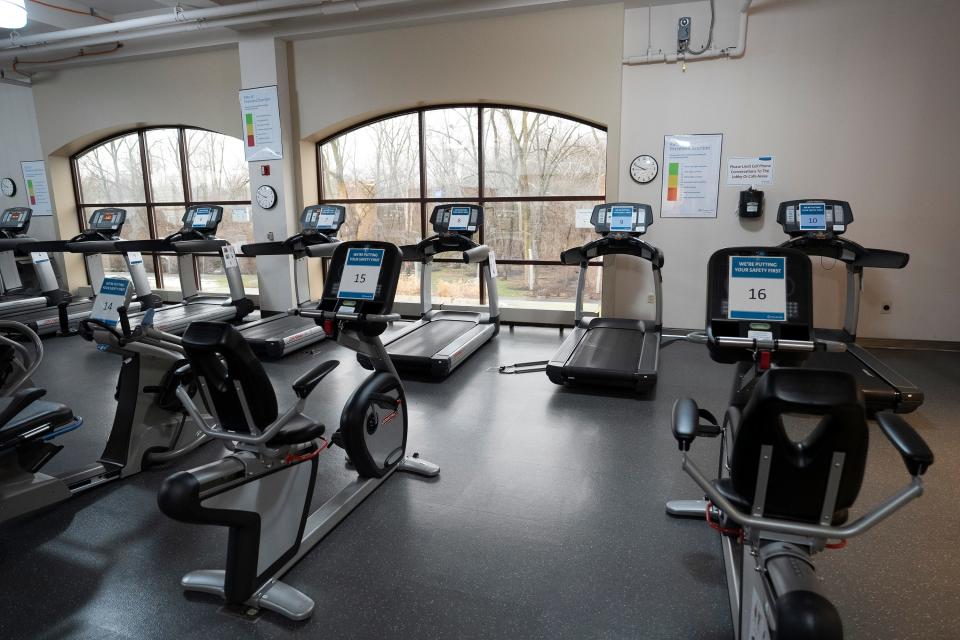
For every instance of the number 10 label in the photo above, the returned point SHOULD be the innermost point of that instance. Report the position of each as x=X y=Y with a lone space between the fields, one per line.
x=360 y=274
x=757 y=288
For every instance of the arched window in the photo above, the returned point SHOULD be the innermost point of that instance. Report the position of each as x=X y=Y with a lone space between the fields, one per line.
x=155 y=174
x=531 y=170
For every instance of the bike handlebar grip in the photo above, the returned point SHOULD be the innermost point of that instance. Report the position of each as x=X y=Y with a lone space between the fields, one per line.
x=916 y=455
x=686 y=419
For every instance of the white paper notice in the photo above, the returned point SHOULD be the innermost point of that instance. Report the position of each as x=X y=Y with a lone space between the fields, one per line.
x=692 y=181
x=583 y=218
x=757 y=288
x=260 y=111
x=361 y=274
x=38 y=191
x=229 y=256
x=749 y=172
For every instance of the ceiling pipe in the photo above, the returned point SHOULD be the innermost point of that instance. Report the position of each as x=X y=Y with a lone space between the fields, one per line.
x=728 y=52
x=179 y=15
x=325 y=9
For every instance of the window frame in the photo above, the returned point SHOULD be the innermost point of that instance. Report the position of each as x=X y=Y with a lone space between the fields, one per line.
x=424 y=200
x=149 y=203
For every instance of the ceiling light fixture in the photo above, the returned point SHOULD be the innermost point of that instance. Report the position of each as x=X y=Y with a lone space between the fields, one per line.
x=13 y=14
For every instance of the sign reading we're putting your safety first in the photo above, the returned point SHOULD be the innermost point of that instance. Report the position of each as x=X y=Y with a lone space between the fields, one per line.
x=757 y=288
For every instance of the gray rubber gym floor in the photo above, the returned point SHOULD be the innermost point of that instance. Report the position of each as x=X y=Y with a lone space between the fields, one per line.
x=547 y=520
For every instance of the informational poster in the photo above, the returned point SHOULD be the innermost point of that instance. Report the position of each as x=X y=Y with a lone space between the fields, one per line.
x=260 y=110
x=749 y=172
x=360 y=274
x=38 y=190
x=691 y=181
x=113 y=294
x=757 y=288
x=583 y=218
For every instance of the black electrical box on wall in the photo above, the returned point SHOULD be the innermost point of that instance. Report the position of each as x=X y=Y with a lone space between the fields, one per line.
x=751 y=203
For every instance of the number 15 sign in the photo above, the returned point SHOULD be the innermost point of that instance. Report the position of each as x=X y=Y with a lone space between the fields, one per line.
x=757 y=288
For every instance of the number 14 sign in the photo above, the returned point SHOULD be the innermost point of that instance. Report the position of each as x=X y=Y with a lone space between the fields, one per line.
x=757 y=288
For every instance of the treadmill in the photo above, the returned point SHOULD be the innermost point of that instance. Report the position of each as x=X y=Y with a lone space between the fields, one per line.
x=284 y=333
x=815 y=227
x=102 y=232
x=16 y=297
x=196 y=235
x=441 y=340
x=615 y=352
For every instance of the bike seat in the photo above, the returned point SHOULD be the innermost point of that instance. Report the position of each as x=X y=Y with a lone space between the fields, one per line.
x=301 y=429
x=36 y=421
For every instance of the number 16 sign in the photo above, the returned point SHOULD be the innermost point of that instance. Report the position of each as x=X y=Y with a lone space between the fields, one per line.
x=757 y=288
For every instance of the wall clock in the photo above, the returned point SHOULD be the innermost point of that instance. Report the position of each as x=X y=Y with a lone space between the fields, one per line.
x=644 y=169
x=266 y=196
x=8 y=187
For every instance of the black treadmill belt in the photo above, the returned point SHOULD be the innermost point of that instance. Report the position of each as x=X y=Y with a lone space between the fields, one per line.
x=875 y=389
x=609 y=349
x=429 y=338
x=277 y=328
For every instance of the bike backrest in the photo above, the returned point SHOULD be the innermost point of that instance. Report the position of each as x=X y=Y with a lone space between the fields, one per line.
x=800 y=469
x=235 y=379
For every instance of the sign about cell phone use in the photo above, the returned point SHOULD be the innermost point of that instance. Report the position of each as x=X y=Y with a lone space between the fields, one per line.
x=360 y=274
x=757 y=288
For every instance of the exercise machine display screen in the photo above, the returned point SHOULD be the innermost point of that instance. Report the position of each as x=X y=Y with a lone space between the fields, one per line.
x=204 y=218
x=622 y=218
x=463 y=219
x=323 y=217
x=361 y=274
x=813 y=216
x=16 y=218
x=107 y=219
x=459 y=218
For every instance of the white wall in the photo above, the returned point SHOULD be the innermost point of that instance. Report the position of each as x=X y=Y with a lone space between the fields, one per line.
x=20 y=140
x=858 y=100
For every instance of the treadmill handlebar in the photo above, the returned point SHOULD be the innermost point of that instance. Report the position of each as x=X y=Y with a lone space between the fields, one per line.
x=352 y=317
x=476 y=255
x=613 y=245
x=849 y=252
x=424 y=250
x=760 y=344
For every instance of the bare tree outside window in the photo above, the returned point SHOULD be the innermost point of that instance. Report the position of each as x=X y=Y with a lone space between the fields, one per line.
x=155 y=174
x=530 y=170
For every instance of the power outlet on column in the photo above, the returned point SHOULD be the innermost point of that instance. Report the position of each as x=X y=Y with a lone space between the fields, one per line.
x=650 y=298
x=886 y=308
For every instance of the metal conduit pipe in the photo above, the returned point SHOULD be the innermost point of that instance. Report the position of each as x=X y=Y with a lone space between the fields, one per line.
x=177 y=16
x=729 y=52
x=339 y=7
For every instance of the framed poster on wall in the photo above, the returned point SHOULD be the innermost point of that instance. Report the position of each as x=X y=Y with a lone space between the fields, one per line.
x=260 y=110
x=691 y=175
x=37 y=189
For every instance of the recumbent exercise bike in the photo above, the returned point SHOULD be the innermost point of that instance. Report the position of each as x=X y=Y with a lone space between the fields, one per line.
x=778 y=498
x=263 y=488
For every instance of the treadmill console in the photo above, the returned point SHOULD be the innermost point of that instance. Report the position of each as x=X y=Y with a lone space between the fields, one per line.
x=203 y=218
x=15 y=220
x=762 y=293
x=362 y=278
x=110 y=220
x=817 y=218
x=622 y=218
x=323 y=218
x=459 y=219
